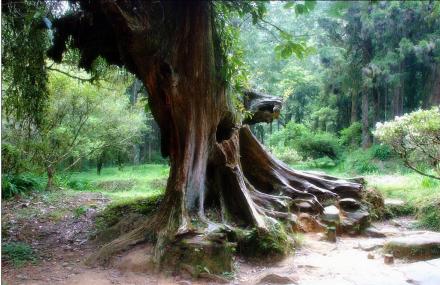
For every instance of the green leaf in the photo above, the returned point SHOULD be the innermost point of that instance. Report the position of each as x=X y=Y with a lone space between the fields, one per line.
x=289 y=5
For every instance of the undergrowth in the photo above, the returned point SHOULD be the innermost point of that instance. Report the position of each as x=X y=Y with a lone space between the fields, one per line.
x=18 y=253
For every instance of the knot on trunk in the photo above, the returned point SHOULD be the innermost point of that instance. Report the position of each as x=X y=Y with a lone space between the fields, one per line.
x=263 y=107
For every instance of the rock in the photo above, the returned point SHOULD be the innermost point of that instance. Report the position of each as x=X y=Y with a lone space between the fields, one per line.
x=331 y=234
x=349 y=204
x=394 y=202
x=184 y=282
x=214 y=277
x=388 y=259
x=355 y=222
x=419 y=247
x=422 y=272
x=370 y=255
x=397 y=207
x=374 y=233
x=309 y=224
x=273 y=278
x=331 y=214
x=370 y=245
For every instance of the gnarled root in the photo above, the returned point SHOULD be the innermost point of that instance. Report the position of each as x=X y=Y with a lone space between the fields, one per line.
x=251 y=192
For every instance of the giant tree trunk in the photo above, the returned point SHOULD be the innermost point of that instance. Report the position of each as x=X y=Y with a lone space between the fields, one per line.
x=221 y=177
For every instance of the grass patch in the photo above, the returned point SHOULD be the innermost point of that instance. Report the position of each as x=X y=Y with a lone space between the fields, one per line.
x=141 y=181
x=18 y=253
x=79 y=211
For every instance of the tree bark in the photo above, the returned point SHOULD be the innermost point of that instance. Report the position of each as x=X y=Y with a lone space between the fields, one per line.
x=366 y=140
x=217 y=165
x=50 y=176
x=99 y=164
x=354 y=116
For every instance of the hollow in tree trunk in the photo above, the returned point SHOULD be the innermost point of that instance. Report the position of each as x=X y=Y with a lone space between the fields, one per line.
x=221 y=178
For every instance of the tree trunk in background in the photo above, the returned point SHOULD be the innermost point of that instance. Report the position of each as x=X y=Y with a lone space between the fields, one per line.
x=99 y=164
x=220 y=177
x=376 y=105
x=149 y=151
x=354 y=115
x=434 y=93
x=50 y=176
x=366 y=140
x=136 y=154
x=397 y=101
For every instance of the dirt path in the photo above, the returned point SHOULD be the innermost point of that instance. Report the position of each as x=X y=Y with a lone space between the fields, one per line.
x=63 y=244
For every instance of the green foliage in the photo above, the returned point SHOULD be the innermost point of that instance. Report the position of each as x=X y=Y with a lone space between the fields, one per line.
x=351 y=135
x=20 y=184
x=381 y=152
x=429 y=215
x=414 y=137
x=24 y=44
x=360 y=161
x=18 y=253
x=318 y=145
x=322 y=163
x=286 y=154
x=117 y=211
x=272 y=244
x=12 y=160
x=79 y=211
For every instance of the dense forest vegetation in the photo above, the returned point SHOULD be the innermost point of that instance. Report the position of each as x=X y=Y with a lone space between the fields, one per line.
x=358 y=82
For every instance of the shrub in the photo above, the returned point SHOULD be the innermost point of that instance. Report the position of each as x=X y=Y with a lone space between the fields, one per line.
x=307 y=144
x=361 y=161
x=351 y=135
x=322 y=162
x=414 y=137
x=286 y=154
x=318 y=145
x=13 y=185
x=18 y=253
x=78 y=184
x=11 y=161
x=381 y=151
x=429 y=215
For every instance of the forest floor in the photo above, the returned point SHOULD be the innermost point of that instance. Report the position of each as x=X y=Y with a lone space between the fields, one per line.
x=57 y=227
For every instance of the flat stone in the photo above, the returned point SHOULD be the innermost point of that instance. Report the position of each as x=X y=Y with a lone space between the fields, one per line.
x=355 y=222
x=374 y=233
x=420 y=247
x=394 y=202
x=331 y=214
x=370 y=245
x=273 y=278
x=349 y=204
x=422 y=272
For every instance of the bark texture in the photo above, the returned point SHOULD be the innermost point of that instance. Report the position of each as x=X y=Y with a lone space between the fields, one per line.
x=221 y=177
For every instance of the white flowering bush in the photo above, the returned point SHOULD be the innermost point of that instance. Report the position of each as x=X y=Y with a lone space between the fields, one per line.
x=415 y=137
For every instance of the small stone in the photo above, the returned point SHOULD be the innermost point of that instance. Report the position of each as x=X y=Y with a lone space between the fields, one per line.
x=331 y=214
x=393 y=202
x=65 y=264
x=370 y=255
x=374 y=233
x=184 y=282
x=20 y=276
x=331 y=234
x=273 y=278
x=349 y=204
x=388 y=259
